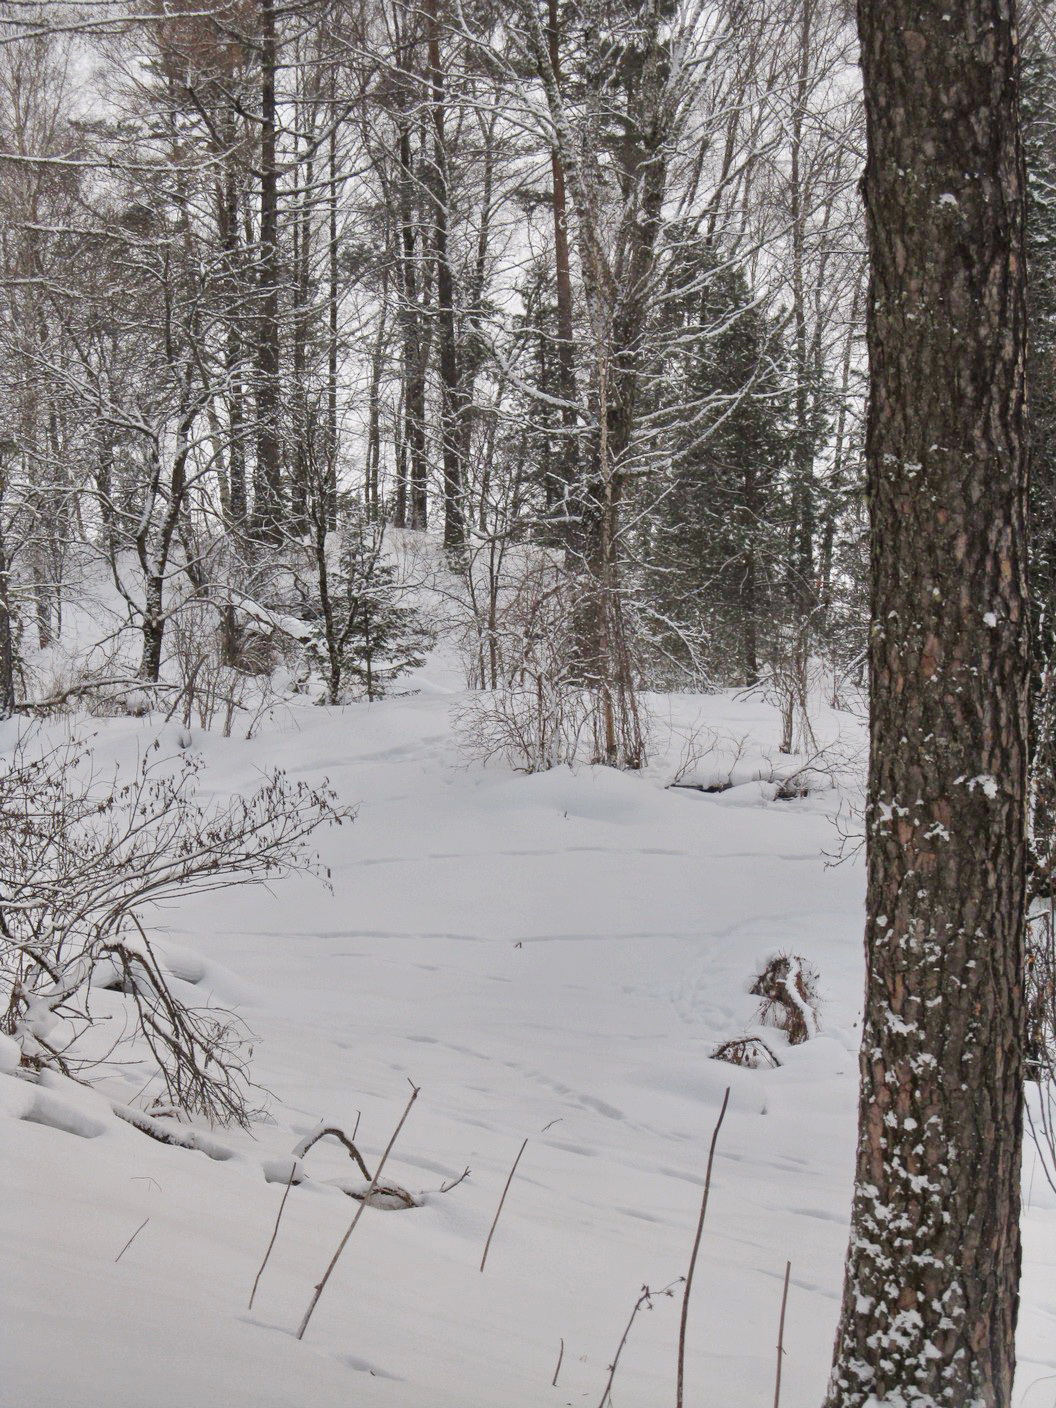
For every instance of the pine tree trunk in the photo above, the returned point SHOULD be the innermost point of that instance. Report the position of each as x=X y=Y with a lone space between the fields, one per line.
x=930 y=1297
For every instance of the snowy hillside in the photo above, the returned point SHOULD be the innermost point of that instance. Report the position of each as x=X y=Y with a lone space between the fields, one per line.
x=551 y=958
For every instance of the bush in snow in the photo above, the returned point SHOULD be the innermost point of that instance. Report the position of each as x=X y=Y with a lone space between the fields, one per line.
x=788 y=986
x=82 y=856
x=748 y=1051
x=538 y=704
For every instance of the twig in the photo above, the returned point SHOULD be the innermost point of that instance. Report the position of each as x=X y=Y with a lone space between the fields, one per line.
x=446 y=1187
x=693 y=1255
x=646 y=1299
x=498 y=1210
x=359 y=1213
x=781 y=1336
x=274 y=1231
x=560 y=1360
x=131 y=1239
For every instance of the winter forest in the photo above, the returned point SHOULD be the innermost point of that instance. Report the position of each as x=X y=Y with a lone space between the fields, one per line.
x=524 y=529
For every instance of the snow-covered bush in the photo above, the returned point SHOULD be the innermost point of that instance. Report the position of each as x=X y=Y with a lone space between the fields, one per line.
x=538 y=704
x=530 y=707
x=788 y=985
x=83 y=854
x=211 y=687
x=748 y=1051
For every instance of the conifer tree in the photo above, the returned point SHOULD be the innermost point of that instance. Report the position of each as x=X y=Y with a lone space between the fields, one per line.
x=931 y=1289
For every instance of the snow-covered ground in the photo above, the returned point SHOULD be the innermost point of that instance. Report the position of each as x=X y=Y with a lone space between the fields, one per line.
x=550 y=958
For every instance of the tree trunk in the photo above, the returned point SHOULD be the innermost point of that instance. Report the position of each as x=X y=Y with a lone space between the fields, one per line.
x=234 y=294
x=7 y=635
x=372 y=478
x=561 y=482
x=414 y=357
x=930 y=1297
x=804 y=442
x=452 y=402
x=267 y=508
x=153 y=628
x=305 y=441
x=332 y=301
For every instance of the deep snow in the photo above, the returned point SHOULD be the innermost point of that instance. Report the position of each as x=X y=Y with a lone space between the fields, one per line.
x=551 y=957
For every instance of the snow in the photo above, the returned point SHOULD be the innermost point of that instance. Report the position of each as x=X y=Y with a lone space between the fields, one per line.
x=550 y=957
x=985 y=783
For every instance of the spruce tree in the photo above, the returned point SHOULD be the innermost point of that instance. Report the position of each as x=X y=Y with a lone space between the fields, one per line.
x=368 y=634
x=714 y=546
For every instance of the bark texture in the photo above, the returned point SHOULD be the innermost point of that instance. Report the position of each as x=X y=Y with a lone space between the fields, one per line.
x=930 y=1298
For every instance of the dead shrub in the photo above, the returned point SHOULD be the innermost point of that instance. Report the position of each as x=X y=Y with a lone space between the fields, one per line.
x=748 y=1051
x=788 y=986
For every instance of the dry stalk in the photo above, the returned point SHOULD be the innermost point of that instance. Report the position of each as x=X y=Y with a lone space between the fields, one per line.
x=646 y=1300
x=359 y=1213
x=131 y=1239
x=781 y=1336
x=498 y=1210
x=274 y=1232
x=696 y=1249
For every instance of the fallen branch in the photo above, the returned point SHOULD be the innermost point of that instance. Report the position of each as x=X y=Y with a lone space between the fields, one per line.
x=172 y=1134
x=334 y=1133
x=127 y=686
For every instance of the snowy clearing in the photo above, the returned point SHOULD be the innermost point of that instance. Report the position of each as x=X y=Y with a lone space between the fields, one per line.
x=550 y=958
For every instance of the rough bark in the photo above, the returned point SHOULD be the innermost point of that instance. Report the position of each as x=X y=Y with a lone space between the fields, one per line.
x=930 y=1297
